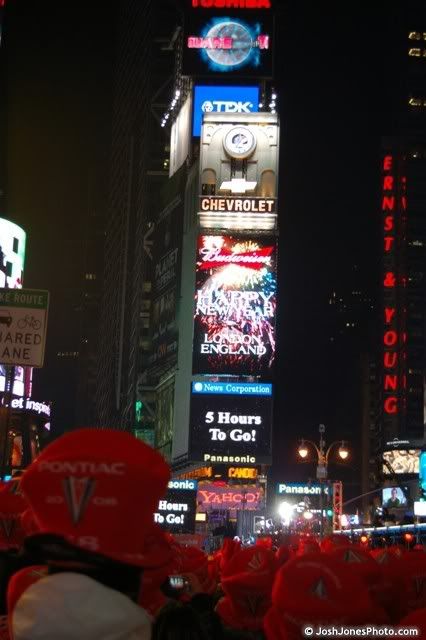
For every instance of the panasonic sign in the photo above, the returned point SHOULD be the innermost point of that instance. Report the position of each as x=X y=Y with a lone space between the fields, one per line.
x=229 y=99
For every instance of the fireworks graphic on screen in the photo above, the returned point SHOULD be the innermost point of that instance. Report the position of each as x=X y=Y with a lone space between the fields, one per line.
x=235 y=305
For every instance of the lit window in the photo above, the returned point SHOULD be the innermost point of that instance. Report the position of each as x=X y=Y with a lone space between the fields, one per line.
x=416 y=52
x=415 y=102
x=414 y=35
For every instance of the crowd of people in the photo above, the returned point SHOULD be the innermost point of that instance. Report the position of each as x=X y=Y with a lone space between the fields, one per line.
x=81 y=559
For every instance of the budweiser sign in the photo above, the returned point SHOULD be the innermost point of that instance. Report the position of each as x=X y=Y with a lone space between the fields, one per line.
x=255 y=259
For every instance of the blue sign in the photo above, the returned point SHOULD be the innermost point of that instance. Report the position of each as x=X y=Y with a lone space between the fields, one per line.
x=422 y=475
x=213 y=99
x=302 y=489
x=233 y=388
x=183 y=485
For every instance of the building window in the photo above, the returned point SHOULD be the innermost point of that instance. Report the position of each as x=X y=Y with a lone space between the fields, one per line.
x=90 y=276
x=15 y=245
x=9 y=268
x=414 y=35
x=415 y=52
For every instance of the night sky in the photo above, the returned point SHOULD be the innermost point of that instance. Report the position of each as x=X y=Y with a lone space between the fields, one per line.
x=335 y=74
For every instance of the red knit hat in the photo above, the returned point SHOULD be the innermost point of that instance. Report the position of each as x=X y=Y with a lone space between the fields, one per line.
x=247 y=582
x=99 y=489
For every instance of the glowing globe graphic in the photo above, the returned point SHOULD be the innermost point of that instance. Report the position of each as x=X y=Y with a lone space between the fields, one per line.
x=241 y=44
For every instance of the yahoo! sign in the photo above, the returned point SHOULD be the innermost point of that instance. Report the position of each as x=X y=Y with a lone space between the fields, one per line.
x=229 y=99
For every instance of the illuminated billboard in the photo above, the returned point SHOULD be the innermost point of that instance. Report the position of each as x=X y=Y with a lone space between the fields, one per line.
x=393 y=498
x=228 y=44
x=228 y=99
x=230 y=429
x=230 y=498
x=235 y=306
x=12 y=254
x=176 y=511
x=401 y=461
x=305 y=496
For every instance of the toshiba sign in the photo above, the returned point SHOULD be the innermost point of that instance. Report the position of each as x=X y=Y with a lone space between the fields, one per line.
x=231 y=4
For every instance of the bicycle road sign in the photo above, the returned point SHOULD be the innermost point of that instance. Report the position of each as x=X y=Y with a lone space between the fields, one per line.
x=23 y=324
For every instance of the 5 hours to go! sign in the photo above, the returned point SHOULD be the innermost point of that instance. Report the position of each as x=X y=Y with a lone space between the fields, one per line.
x=23 y=323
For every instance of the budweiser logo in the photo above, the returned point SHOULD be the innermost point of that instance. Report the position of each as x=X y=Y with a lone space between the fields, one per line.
x=219 y=258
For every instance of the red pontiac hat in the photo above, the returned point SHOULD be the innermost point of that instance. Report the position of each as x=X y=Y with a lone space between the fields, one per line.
x=12 y=533
x=360 y=562
x=413 y=575
x=318 y=589
x=193 y=564
x=99 y=489
x=329 y=543
x=417 y=619
x=247 y=582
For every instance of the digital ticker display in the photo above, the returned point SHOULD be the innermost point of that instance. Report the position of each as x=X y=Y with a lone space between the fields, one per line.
x=228 y=44
x=231 y=429
x=235 y=306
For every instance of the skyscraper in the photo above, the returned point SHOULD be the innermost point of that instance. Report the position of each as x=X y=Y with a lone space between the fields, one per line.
x=137 y=166
x=400 y=421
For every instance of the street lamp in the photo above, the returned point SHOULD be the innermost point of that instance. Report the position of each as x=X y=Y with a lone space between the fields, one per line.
x=323 y=455
x=343 y=451
x=303 y=450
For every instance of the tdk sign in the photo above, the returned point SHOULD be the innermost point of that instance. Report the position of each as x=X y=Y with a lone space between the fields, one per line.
x=226 y=106
x=213 y=99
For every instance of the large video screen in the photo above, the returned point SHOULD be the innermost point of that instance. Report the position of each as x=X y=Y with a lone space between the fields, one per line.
x=230 y=429
x=228 y=44
x=401 y=461
x=393 y=498
x=235 y=306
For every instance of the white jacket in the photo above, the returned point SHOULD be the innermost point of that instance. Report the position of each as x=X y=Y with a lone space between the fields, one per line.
x=71 y=606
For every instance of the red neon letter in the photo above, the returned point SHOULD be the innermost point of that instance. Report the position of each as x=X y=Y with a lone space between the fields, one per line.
x=391 y=382
x=388 y=243
x=388 y=183
x=388 y=223
x=388 y=203
x=389 y=280
x=389 y=314
x=390 y=338
x=390 y=359
x=387 y=163
x=390 y=405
